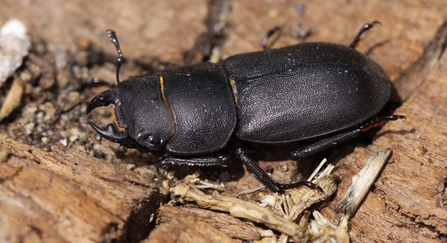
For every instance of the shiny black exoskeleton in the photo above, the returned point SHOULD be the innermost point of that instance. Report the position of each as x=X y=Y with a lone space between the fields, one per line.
x=319 y=93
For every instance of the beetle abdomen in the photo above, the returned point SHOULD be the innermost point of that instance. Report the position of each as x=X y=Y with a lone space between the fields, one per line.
x=203 y=107
x=305 y=91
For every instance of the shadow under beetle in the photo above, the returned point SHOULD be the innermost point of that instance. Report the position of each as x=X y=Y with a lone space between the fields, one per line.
x=320 y=94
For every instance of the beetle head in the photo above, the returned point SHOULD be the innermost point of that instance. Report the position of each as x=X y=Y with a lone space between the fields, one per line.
x=142 y=116
x=110 y=132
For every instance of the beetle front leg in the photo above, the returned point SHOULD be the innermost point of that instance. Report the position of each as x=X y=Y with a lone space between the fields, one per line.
x=330 y=142
x=212 y=160
x=265 y=178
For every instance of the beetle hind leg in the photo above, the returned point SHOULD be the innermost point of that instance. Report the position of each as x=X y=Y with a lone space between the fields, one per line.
x=330 y=142
x=265 y=178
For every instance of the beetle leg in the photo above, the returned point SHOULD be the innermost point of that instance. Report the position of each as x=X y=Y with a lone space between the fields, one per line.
x=330 y=142
x=267 y=37
x=103 y=99
x=265 y=178
x=364 y=28
x=212 y=160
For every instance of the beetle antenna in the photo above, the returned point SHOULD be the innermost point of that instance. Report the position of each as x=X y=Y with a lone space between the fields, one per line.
x=364 y=28
x=112 y=36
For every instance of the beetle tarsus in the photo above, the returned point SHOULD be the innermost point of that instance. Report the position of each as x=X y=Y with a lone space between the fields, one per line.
x=309 y=184
x=364 y=28
x=379 y=121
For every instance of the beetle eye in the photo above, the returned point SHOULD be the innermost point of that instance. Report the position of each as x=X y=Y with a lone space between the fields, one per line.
x=154 y=140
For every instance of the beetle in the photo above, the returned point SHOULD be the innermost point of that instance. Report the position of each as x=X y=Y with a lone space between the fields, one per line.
x=320 y=94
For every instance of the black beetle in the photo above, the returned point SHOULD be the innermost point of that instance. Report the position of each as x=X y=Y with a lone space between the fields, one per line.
x=319 y=93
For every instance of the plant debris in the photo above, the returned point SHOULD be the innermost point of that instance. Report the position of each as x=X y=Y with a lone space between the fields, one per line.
x=14 y=46
x=282 y=212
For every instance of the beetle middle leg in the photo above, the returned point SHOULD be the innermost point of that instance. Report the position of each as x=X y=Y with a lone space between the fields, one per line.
x=211 y=160
x=241 y=153
x=330 y=142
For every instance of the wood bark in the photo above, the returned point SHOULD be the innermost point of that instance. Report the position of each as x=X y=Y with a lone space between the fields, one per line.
x=68 y=196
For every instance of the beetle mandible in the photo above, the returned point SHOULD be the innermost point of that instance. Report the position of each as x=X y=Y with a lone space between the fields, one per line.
x=320 y=93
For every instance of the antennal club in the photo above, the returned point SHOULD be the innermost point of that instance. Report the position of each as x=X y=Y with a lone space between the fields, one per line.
x=112 y=36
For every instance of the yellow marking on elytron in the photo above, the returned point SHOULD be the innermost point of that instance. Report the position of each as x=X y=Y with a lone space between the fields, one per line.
x=233 y=88
x=163 y=96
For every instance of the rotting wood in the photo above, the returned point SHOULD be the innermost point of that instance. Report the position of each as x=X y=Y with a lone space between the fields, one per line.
x=257 y=213
x=68 y=196
x=409 y=81
x=233 y=227
x=187 y=229
x=419 y=149
x=405 y=200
